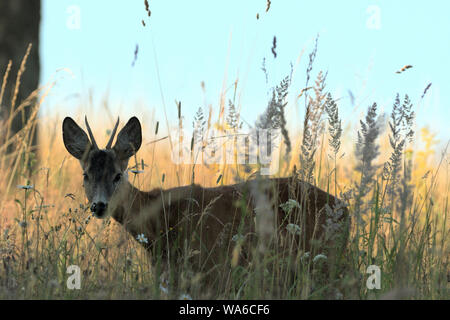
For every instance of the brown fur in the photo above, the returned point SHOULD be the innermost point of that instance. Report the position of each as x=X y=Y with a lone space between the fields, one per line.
x=209 y=217
x=207 y=227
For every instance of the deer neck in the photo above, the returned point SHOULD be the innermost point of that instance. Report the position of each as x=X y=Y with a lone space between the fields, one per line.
x=121 y=201
x=136 y=210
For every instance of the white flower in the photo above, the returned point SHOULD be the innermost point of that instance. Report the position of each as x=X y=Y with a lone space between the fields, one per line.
x=293 y=229
x=319 y=257
x=185 y=296
x=163 y=289
x=238 y=238
x=164 y=285
x=289 y=205
x=305 y=256
x=141 y=238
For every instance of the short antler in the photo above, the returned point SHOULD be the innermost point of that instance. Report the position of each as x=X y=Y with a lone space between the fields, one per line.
x=94 y=144
x=113 y=133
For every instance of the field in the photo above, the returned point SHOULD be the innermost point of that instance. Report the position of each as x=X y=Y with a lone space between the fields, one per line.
x=389 y=172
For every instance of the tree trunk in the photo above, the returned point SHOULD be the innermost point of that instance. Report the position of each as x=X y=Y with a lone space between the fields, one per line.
x=19 y=26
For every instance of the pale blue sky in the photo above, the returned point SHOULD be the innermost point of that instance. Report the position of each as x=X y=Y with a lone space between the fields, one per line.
x=362 y=43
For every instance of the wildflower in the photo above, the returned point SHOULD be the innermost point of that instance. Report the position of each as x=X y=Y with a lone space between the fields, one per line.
x=185 y=296
x=163 y=289
x=293 y=229
x=164 y=285
x=305 y=256
x=338 y=295
x=319 y=257
x=238 y=238
x=141 y=238
x=289 y=205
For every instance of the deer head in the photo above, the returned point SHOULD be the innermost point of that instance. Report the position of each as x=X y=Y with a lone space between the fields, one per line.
x=104 y=170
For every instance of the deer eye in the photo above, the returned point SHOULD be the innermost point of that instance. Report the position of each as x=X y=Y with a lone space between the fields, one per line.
x=117 y=178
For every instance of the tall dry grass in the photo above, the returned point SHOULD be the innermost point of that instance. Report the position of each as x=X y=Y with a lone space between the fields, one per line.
x=397 y=195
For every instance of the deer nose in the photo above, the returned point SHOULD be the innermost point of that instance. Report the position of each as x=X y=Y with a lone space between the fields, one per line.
x=98 y=208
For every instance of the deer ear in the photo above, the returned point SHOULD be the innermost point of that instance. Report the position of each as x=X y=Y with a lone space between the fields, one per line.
x=129 y=139
x=75 y=139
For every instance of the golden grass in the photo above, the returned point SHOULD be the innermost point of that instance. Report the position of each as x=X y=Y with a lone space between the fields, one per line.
x=48 y=227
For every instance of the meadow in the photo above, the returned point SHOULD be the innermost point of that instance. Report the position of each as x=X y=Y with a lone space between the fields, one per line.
x=388 y=172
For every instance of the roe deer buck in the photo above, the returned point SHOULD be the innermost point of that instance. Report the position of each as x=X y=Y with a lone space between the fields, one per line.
x=210 y=221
